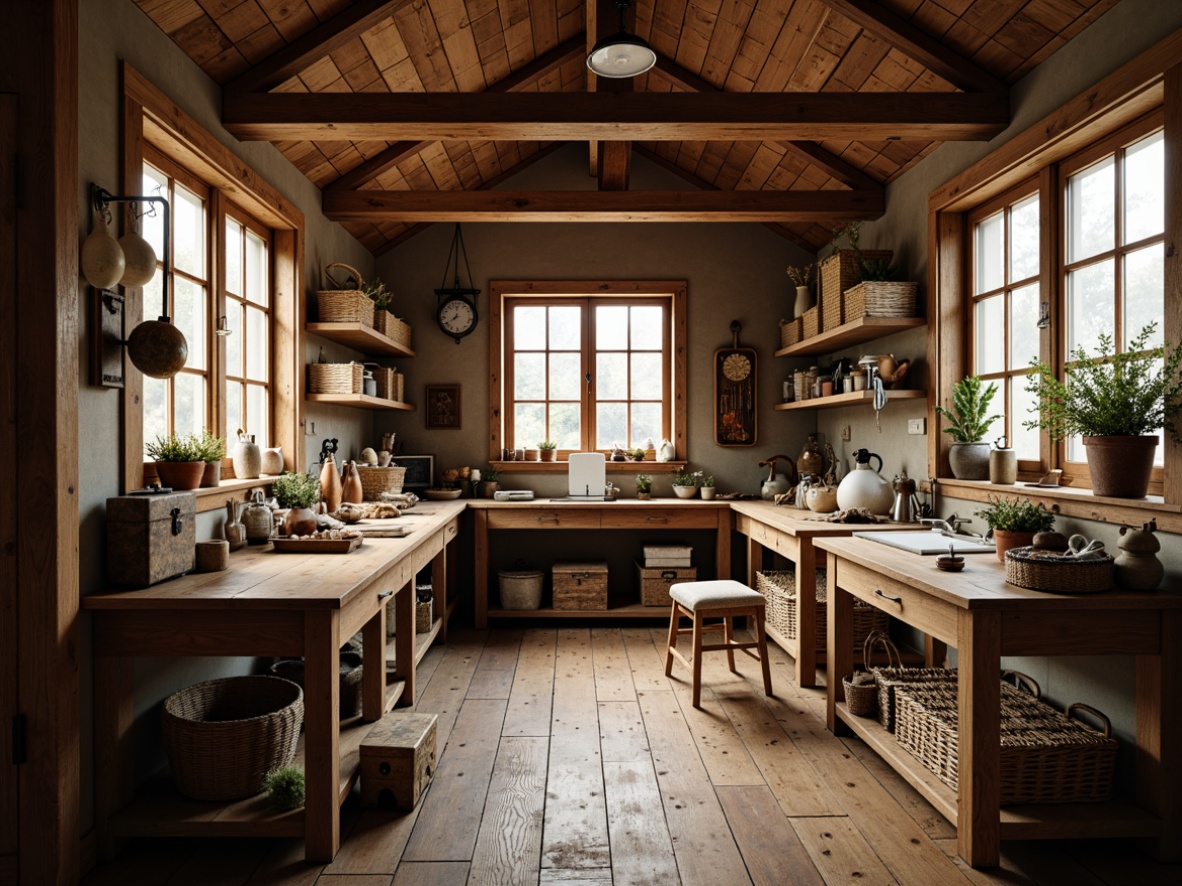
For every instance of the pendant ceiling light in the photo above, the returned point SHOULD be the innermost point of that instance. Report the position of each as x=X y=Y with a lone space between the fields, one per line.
x=622 y=54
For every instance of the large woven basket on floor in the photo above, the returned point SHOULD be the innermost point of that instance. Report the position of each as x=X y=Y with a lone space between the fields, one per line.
x=1065 y=575
x=339 y=303
x=223 y=736
x=375 y=481
x=779 y=588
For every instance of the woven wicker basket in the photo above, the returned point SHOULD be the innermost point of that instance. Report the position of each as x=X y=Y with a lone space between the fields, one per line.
x=338 y=305
x=861 y=696
x=520 y=589
x=223 y=736
x=375 y=481
x=810 y=322
x=1046 y=756
x=838 y=273
x=335 y=378
x=878 y=298
x=392 y=327
x=1064 y=575
x=349 y=695
x=791 y=331
x=895 y=675
x=779 y=587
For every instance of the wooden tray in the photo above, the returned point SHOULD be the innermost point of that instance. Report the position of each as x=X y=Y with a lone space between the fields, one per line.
x=315 y=545
x=381 y=531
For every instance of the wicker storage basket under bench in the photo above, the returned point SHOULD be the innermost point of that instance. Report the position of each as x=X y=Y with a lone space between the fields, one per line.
x=779 y=587
x=1046 y=756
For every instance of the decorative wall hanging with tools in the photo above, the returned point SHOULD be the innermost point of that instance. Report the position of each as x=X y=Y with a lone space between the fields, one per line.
x=735 y=374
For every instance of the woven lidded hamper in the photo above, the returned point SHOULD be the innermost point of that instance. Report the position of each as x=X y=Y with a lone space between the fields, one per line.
x=1066 y=575
x=1046 y=756
x=580 y=585
x=335 y=378
x=223 y=736
x=340 y=305
x=520 y=588
x=838 y=273
x=779 y=588
x=655 y=581
x=879 y=298
x=375 y=481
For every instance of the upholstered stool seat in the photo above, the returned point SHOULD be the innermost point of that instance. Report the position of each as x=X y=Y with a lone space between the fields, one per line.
x=723 y=599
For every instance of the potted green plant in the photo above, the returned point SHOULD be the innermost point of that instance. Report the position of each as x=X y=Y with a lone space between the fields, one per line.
x=299 y=493
x=1114 y=402
x=967 y=424
x=685 y=484
x=490 y=482
x=285 y=786
x=213 y=451
x=180 y=460
x=547 y=449
x=1015 y=522
x=636 y=454
x=706 y=485
x=644 y=487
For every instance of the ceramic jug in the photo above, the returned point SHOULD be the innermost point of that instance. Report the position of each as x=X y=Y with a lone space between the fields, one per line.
x=258 y=520
x=351 y=489
x=777 y=484
x=666 y=452
x=272 y=462
x=864 y=487
x=248 y=459
x=1137 y=567
x=330 y=484
x=821 y=498
x=234 y=531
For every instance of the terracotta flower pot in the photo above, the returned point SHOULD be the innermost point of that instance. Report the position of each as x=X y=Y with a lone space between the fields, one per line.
x=547 y=454
x=1120 y=466
x=1006 y=539
x=300 y=521
x=212 y=475
x=180 y=475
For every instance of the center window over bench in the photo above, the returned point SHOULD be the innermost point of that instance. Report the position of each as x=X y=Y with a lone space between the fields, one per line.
x=587 y=370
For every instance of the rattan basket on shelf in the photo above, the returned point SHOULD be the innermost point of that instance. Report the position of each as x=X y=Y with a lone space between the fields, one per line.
x=223 y=736
x=335 y=378
x=791 y=331
x=1064 y=575
x=375 y=481
x=879 y=298
x=392 y=327
x=338 y=304
x=838 y=273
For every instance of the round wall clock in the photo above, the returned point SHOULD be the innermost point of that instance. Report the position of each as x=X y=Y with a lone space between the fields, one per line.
x=734 y=393
x=456 y=316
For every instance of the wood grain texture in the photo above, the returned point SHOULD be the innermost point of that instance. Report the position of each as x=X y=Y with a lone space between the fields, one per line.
x=773 y=851
x=575 y=830
x=839 y=852
x=613 y=673
x=9 y=595
x=445 y=873
x=1172 y=270
x=642 y=850
x=574 y=710
x=532 y=693
x=508 y=848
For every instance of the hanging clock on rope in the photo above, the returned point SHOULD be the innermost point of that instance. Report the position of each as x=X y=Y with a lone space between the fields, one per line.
x=456 y=314
x=735 y=376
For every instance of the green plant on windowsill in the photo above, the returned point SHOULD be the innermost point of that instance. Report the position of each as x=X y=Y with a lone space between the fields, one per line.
x=967 y=422
x=177 y=448
x=547 y=444
x=636 y=454
x=1016 y=515
x=296 y=490
x=213 y=447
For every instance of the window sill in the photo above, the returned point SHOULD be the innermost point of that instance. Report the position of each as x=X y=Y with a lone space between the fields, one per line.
x=613 y=467
x=1072 y=502
x=213 y=498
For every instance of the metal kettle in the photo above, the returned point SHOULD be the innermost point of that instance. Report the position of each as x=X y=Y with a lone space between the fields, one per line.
x=906 y=508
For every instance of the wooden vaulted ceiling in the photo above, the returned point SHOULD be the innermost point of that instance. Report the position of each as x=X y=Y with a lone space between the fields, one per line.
x=794 y=113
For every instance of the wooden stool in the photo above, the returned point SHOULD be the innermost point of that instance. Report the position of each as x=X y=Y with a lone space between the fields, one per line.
x=397 y=759
x=723 y=599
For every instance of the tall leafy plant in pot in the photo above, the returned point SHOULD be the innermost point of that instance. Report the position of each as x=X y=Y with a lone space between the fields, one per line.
x=1115 y=402
x=967 y=423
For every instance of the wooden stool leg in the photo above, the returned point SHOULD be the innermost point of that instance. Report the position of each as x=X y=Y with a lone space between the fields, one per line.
x=697 y=662
x=673 y=619
x=728 y=635
x=761 y=636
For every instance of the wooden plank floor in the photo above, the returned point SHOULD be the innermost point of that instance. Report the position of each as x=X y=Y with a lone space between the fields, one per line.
x=567 y=757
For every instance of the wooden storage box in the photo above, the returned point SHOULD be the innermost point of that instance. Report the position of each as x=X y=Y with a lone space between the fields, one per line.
x=397 y=760
x=150 y=538
x=838 y=273
x=791 y=332
x=655 y=581
x=580 y=585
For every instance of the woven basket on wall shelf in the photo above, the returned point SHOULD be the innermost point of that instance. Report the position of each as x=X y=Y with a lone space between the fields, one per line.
x=393 y=328
x=339 y=305
x=879 y=298
x=838 y=273
x=335 y=378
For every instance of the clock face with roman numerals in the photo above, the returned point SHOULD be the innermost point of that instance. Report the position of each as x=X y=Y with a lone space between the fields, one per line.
x=456 y=317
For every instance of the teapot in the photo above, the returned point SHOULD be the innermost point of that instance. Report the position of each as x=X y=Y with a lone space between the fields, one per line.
x=666 y=451
x=864 y=486
x=776 y=484
x=821 y=497
x=892 y=371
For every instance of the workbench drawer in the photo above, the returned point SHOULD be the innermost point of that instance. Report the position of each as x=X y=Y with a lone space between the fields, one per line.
x=664 y=518
x=542 y=518
x=911 y=605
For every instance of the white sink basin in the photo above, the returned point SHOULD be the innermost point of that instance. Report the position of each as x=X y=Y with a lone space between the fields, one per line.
x=926 y=542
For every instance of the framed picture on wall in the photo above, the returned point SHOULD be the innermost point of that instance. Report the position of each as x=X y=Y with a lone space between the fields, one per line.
x=443 y=407
x=420 y=470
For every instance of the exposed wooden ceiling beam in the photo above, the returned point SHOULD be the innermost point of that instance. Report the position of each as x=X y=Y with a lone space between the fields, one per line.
x=602 y=206
x=602 y=21
x=638 y=116
x=828 y=162
x=525 y=76
x=284 y=64
x=917 y=44
x=615 y=165
x=701 y=183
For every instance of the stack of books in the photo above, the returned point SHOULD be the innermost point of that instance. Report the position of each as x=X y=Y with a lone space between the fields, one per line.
x=668 y=556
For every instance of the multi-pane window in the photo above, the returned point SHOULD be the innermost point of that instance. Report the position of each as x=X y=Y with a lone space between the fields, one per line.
x=588 y=373
x=1104 y=278
x=226 y=381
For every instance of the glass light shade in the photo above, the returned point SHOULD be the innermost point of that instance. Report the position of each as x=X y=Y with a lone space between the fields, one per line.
x=157 y=348
x=621 y=55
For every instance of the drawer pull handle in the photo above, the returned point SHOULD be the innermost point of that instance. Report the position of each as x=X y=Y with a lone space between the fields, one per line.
x=547 y=518
x=384 y=594
x=898 y=600
x=656 y=519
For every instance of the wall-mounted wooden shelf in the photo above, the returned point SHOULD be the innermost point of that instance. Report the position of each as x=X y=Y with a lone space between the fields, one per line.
x=364 y=401
x=855 y=398
x=855 y=332
x=361 y=338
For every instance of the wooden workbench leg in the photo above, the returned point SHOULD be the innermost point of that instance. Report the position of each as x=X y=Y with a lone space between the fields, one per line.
x=1159 y=738
x=754 y=560
x=441 y=575
x=373 y=678
x=322 y=762
x=978 y=808
x=839 y=641
x=935 y=652
x=114 y=747
x=806 y=615
x=722 y=547
x=404 y=640
x=480 y=584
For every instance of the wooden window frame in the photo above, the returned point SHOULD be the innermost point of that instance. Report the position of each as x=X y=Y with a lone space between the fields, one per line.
x=151 y=121
x=1150 y=83
x=504 y=293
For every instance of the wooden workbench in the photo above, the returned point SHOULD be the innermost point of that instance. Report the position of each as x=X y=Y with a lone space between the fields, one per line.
x=272 y=605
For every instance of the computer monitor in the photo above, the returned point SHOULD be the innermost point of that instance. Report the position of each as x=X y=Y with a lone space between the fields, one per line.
x=587 y=476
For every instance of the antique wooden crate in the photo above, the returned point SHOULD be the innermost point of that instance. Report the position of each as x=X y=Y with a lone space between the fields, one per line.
x=655 y=582
x=397 y=760
x=150 y=537
x=580 y=585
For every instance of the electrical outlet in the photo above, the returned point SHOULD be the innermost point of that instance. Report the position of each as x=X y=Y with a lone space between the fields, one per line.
x=846 y=434
x=310 y=428
x=917 y=426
